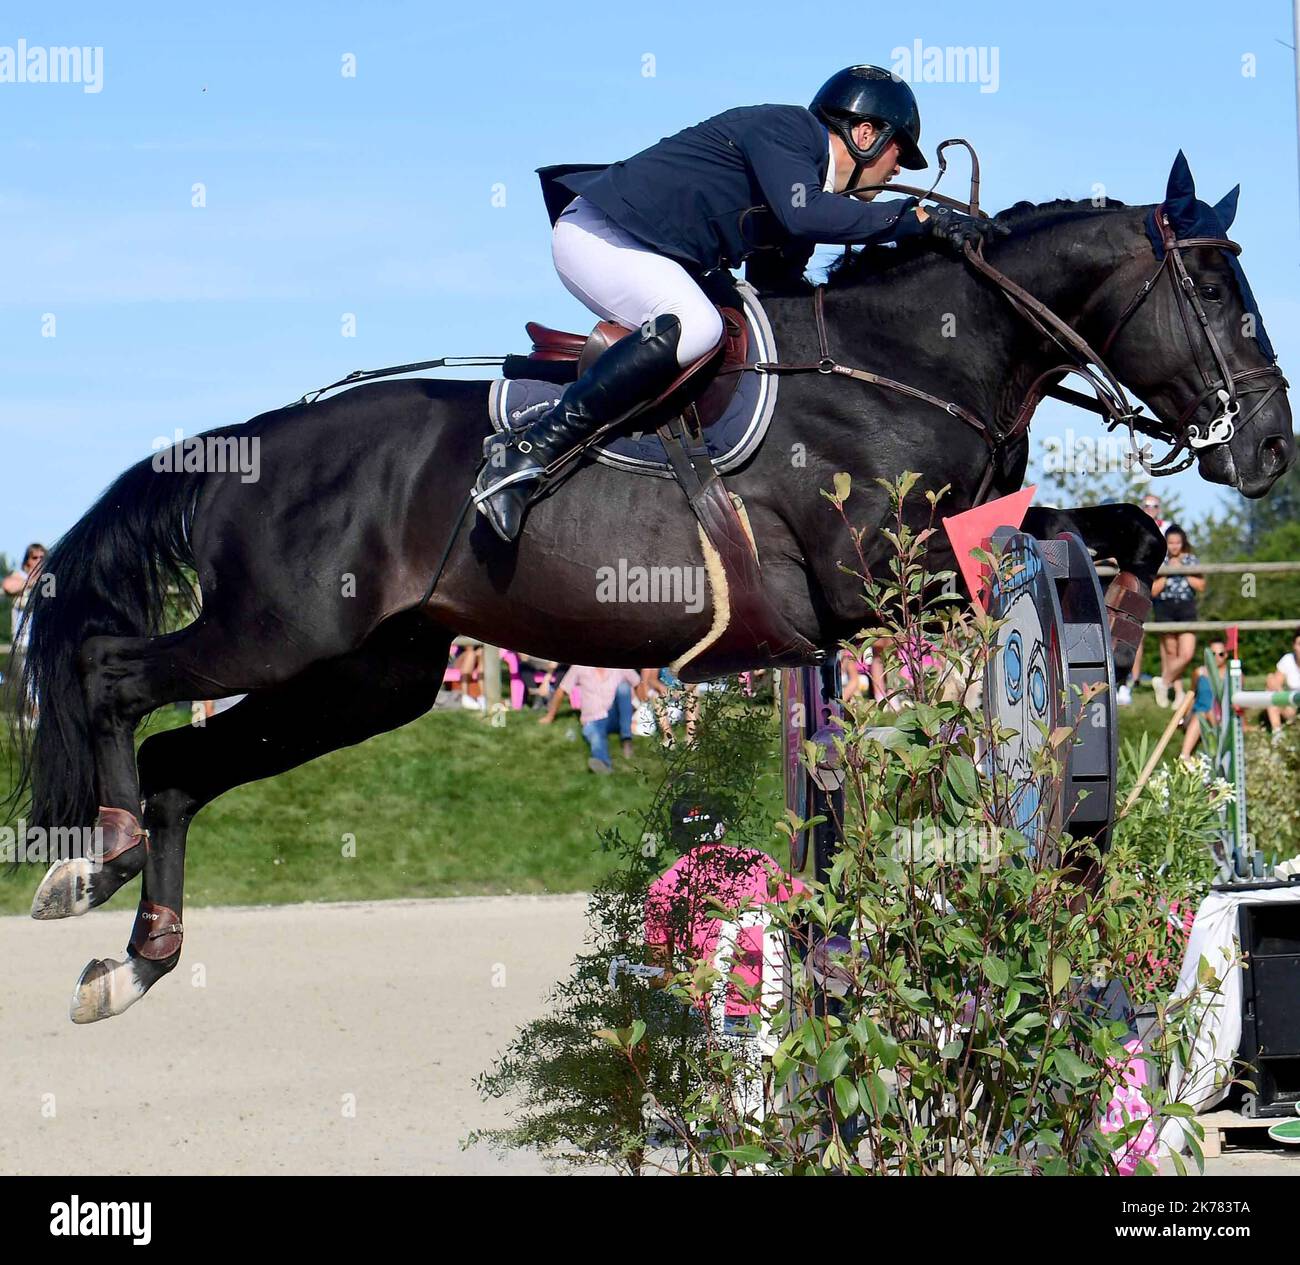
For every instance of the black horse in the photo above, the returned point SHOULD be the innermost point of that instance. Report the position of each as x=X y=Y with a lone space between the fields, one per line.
x=314 y=578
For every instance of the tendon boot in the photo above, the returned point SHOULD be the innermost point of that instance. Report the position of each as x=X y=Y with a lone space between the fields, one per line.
x=627 y=375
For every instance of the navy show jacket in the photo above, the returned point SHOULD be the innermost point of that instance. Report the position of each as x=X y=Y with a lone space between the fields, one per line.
x=749 y=179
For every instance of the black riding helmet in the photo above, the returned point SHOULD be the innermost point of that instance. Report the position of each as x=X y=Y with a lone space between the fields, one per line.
x=871 y=93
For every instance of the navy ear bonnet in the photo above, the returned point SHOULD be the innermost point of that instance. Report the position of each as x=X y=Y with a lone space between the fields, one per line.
x=1190 y=217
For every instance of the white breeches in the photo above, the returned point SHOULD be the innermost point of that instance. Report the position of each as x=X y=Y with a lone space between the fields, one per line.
x=622 y=279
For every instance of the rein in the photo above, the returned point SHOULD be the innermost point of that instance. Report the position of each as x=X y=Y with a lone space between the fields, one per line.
x=1109 y=399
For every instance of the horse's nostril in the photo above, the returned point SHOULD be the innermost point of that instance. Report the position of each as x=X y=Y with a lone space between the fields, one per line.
x=1274 y=454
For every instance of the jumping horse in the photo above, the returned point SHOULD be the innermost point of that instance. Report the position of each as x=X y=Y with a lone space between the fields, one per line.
x=332 y=586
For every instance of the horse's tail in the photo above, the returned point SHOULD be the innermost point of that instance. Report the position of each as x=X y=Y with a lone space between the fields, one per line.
x=114 y=573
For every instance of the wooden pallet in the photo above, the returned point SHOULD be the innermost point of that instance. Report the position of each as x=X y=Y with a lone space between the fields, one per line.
x=1218 y=1125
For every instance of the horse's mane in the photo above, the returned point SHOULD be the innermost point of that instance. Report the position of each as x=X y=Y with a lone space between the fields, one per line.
x=1022 y=218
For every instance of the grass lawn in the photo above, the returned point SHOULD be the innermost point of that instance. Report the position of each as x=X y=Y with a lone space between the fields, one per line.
x=447 y=806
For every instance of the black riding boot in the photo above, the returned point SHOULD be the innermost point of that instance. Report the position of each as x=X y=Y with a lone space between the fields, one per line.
x=628 y=374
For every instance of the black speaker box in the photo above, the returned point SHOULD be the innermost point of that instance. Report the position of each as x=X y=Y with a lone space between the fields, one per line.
x=1270 y=1008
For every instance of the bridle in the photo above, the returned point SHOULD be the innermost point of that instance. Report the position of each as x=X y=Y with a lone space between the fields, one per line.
x=1225 y=384
x=1109 y=398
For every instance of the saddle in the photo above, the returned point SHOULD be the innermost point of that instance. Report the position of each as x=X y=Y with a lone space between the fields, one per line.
x=744 y=615
x=560 y=357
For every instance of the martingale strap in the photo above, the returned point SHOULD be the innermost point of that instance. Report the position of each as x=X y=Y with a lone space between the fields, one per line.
x=746 y=614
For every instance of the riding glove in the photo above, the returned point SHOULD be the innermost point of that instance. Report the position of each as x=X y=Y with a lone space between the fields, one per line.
x=952 y=228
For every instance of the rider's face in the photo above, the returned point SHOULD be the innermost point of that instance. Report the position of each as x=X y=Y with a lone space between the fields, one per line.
x=885 y=168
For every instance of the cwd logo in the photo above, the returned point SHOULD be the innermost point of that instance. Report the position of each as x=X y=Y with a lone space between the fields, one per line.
x=131 y=1220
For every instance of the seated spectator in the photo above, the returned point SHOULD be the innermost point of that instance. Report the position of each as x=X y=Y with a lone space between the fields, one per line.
x=664 y=690
x=1287 y=677
x=1204 y=708
x=464 y=674
x=855 y=673
x=606 y=698
x=541 y=677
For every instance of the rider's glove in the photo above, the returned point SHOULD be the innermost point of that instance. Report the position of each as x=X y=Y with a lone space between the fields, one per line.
x=954 y=229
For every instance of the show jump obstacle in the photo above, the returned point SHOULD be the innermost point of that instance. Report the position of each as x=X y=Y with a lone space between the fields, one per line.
x=1052 y=652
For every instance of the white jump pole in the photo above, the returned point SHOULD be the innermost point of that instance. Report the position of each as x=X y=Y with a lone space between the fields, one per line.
x=1231 y=757
x=1254 y=700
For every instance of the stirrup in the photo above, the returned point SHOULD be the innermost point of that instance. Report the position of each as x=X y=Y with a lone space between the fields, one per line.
x=538 y=474
x=521 y=444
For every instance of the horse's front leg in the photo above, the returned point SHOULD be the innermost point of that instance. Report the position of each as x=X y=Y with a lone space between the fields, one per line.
x=1130 y=537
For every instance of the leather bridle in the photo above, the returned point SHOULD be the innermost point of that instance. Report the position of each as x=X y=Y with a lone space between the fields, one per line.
x=1225 y=385
x=1109 y=398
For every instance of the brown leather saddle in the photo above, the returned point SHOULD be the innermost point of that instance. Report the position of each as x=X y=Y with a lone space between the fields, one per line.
x=741 y=604
x=558 y=356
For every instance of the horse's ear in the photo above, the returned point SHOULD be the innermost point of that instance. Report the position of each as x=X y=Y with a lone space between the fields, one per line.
x=1226 y=207
x=1180 y=195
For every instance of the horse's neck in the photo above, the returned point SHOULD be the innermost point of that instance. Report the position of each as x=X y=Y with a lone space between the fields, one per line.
x=1065 y=264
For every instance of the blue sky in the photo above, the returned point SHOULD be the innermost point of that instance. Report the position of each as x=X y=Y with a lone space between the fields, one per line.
x=373 y=195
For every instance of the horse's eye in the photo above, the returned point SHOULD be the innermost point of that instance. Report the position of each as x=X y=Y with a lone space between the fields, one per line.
x=1212 y=293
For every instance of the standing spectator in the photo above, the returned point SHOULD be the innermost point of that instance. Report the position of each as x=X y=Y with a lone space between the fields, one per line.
x=856 y=674
x=1204 y=708
x=606 y=695
x=18 y=586
x=1287 y=677
x=683 y=919
x=1151 y=506
x=1124 y=694
x=1175 y=602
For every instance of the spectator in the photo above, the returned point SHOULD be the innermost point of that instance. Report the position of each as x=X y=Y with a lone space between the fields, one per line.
x=1124 y=694
x=1203 y=705
x=1175 y=602
x=856 y=674
x=467 y=673
x=606 y=697
x=541 y=679
x=1151 y=506
x=665 y=691
x=18 y=586
x=682 y=922
x=1287 y=677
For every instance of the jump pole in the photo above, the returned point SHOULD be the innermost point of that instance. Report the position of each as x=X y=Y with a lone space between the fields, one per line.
x=1230 y=756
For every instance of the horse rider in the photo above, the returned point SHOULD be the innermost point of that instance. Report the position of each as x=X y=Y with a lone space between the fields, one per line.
x=636 y=235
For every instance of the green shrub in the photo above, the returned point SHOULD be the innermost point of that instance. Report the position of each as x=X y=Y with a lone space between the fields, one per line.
x=966 y=1034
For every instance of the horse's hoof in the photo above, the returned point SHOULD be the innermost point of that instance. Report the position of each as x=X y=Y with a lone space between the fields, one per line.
x=106 y=988
x=64 y=891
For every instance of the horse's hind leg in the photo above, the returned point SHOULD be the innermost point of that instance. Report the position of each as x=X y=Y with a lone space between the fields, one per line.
x=390 y=680
x=124 y=679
